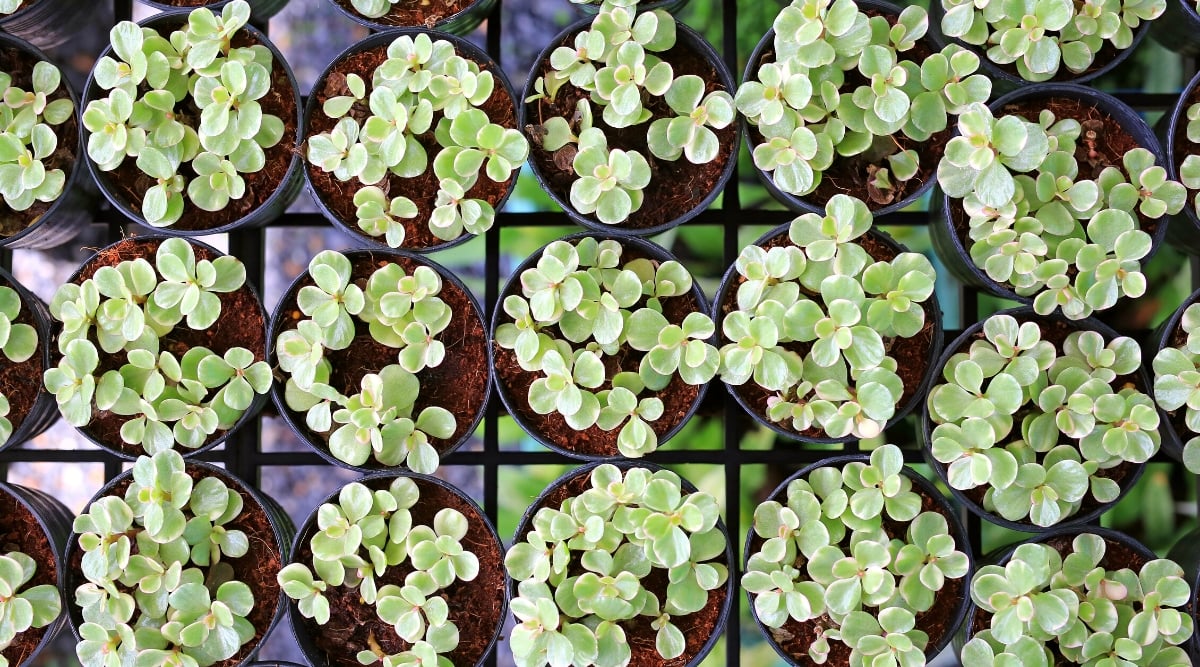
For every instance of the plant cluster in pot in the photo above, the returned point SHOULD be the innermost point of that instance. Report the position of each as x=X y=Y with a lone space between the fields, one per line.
x=632 y=121
x=830 y=328
x=846 y=98
x=458 y=17
x=1176 y=366
x=601 y=347
x=1179 y=27
x=174 y=562
x=398 y=570
x=653 y=562
x=160 y=345
x=1082 y=596
x=26 y=409
x=1040 y=421
x=857 y=560
x=34 y=528
x=412 y=140
x=385 y=358
x=1056 y=196
x=1182 y=143
x=193 y=126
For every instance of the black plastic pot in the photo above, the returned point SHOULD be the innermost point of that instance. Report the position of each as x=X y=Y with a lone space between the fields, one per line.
x=274 y=206
x=48 y=23
x=1186 y=553
x=276 y=663
x=282 y=532
x=511 y=402
x=933 y=314
x=1172 y=439
x=73 y=210
x=460 y=23
x=312 y=653
x=1022 y=315
x=1178 y=28
x=54 y=521
x=671 y=6
x=260 y=10
x=1184 y=230
x=381 y=40
x=45 y=409
x=283 y=313
x=922 y=486
x=685 y=37
x=687 y=487
x=946 y=241
x=259 y=399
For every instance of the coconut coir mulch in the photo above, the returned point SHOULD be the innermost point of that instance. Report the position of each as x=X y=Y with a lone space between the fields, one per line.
x=19 y=531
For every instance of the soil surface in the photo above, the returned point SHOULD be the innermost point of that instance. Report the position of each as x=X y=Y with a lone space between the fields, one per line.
x=476 y=607
x=21 y=383
x=1183 y=147
x=19 y=531
x=414 y=12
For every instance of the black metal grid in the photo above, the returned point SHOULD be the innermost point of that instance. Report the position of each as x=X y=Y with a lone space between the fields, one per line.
x=243 y=453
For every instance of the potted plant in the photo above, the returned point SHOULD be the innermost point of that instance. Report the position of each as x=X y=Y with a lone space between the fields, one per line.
x=852 y=98
x=399 y=569
x=830 y=328
x=857 y=559
x=1182 y=144
x=174 y=562
x=33 y=531
x=424 y=156
x=458 y=17
x=601 y=346
x=654 y=561
x=46 y=24
x=1040 y=421
x=631 y=119
x=45 y=195
x=1082 y=596
x=1055 y=195
x=1178 y=27
x=1186 y=552
x=26 y=409
x=161 y=345
x=385 y=360
x=192 y=122
x=1176 y=379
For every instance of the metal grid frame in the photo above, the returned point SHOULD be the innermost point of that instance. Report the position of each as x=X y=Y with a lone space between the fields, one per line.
x=243 y=453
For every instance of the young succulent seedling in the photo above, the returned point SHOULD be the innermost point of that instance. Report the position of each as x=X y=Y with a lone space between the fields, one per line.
x=128 y=310
x=23 y=607
x=824 y=288
x=423 y=85
x=806 y=115
x=824 y=552
x=403 y=311
x=364 y=534
x=27 y=138
x=1038 y=426
x=159 y=590
x=580 y=305
x=18 y=342
x=1095 y=616
x=1177 y=380
x=1189 y=171
x=1036 y=225
x=1039 y=37
x=574 y=611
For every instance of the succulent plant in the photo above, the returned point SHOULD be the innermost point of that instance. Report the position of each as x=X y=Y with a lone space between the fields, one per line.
x=1095 y=616
x=824 y=553
x=1177 y=380
x=23 y=607
x=581 y=305
x=574 y=610
x=824 y=289
x=1038 y=426
x=1189 y=170
x=807 y=116
x=27 y=137
x=18 y=343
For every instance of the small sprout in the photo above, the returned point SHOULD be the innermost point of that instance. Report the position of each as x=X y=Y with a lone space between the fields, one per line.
x=610 y=181
x=28 y=138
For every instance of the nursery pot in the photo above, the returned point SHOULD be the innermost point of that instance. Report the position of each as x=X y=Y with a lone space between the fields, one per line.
x=265 y=523
x=48 y=224
x=269 y=191
x=1125 y=474
x=241 y=324
x=915 y=355
x=670 y=199
x=460 y=17
x=38 y=526
x=260 y=10
x=950 y=602
x=1178 y=28
x=949 y=230
x=672 y=6
x=462 y=383
x=706 y=625
x=48 y=23
x=1186 y=553
x=32 y=409
x=680 y=400
x=1172 y=427
x=479 y=607
x=335 y=198
x=1185 y=228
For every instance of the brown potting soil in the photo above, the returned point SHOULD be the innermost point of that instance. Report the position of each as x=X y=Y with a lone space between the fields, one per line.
x=19 y=65
x=459 y=384
x=130 y=184
x=1182 y=146
x=476 y=607
x=697 y=627
x=677 y=397
x=912 y=355
x=676 y=187
x=21 y=383
x=795 y=637
x=241 y=324
x=256 y=569
x=413 y=12
x=19 y=531
x=338 y=195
